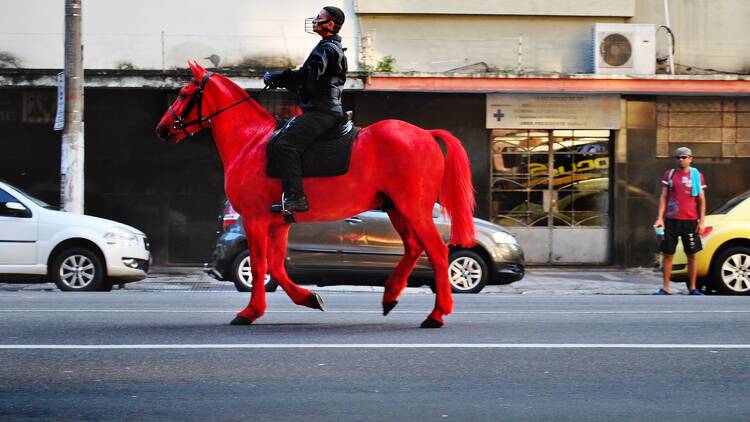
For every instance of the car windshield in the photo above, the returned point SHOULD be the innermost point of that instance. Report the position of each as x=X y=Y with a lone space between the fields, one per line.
x=729 y=205
x=32 y=199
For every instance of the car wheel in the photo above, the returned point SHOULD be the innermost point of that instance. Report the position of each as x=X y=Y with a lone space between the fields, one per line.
x=467 y=271
x=730 y=272
x=77 y=270
x=243 y=278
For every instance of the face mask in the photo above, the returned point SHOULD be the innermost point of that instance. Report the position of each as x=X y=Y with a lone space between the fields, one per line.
x=311 y=22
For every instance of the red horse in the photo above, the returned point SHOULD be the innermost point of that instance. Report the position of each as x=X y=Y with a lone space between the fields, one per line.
x=392 y=162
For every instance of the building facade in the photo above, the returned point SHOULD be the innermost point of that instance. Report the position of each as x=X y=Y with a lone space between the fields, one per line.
x=566 y=153
x=569 y=145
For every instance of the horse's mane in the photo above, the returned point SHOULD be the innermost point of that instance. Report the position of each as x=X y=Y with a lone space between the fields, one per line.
x=264 y=118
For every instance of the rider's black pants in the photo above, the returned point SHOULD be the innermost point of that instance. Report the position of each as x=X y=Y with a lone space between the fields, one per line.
x=305 y=129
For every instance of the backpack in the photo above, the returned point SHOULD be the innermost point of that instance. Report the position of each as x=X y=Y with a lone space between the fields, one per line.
x=669 y=179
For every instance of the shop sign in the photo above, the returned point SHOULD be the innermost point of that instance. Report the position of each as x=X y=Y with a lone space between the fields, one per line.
x=552 y=111
x=60 y=115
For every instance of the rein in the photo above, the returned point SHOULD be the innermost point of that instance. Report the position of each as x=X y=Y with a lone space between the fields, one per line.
x=197 y=98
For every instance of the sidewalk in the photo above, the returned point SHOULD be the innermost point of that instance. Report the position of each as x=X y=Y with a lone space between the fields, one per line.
x=538 y=280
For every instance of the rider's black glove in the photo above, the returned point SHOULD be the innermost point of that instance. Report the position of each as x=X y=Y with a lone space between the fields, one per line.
x=268 y=80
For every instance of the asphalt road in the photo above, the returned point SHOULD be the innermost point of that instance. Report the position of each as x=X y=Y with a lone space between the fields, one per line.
x=145 y=355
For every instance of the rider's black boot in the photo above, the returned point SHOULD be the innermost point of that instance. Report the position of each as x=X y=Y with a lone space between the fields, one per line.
x=293 y=199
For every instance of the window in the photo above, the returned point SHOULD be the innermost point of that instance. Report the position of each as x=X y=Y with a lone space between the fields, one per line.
x=6 y=197
x=710 y=126
x=729 y=205
x=545 y=178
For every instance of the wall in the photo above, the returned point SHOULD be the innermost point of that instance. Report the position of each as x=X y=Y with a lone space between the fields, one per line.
x=129 y=33
x=462 y=114
x=440 y=36
x=501 y=7
x=440 y=43
x=638 y=183
x=709 y=34
x=173 y=193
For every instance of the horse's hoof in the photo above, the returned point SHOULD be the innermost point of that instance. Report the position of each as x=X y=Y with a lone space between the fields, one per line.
x=238 y=320
x=388 y=307
x=431 y=323
x=316 y=302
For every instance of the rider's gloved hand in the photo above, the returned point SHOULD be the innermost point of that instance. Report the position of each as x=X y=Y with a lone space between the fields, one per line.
x=268 y=80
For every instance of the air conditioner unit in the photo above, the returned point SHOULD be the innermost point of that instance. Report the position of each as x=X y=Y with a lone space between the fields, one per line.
x=624 y=49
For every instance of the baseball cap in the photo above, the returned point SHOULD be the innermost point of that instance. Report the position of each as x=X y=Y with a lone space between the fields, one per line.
x=683 y=151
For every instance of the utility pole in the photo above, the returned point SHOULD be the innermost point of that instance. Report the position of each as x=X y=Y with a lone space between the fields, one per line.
x=71 y=160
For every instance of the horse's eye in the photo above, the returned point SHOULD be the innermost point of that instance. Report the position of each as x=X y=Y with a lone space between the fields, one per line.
x=182 y=95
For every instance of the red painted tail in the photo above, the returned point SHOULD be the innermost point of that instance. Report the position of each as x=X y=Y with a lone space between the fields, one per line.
x=457 y=191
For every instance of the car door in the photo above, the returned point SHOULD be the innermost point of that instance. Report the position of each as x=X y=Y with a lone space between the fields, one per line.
x=18 y=231
x=369 y=242
x=314 y=245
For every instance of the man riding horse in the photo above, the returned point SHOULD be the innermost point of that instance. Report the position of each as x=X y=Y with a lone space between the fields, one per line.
x=317 y=85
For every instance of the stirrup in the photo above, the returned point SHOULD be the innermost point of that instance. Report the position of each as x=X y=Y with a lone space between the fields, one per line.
x=281 y=208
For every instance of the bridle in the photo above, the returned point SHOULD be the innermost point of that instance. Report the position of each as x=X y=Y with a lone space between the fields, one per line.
x=197 y=98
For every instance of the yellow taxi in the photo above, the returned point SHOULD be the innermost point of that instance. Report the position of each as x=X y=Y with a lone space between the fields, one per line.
x=724 y=263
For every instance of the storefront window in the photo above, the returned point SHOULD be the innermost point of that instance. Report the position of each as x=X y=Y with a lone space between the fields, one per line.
x=546 y=178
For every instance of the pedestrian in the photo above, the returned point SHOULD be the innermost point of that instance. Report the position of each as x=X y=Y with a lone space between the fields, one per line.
x=318 y=85
x=682 y=210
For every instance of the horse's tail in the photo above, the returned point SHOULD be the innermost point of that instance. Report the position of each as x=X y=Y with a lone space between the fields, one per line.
x=457 y=191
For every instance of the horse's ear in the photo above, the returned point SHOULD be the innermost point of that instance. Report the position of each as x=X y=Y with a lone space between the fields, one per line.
x=197 y=70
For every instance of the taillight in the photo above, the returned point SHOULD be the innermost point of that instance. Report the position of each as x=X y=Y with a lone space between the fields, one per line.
x=230 y=217
x=706 y=231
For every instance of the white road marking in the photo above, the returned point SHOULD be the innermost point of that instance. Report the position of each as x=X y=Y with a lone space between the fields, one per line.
x=227 y=311
x=374 y=346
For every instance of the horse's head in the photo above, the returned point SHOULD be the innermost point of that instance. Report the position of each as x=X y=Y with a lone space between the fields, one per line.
x=185 y=117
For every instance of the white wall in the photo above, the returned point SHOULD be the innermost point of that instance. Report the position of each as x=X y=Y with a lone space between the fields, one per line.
x=613 y=8
x=440 y=43
x=130 y=31
x=426 y=35
x=709 y=34
x=441 y=35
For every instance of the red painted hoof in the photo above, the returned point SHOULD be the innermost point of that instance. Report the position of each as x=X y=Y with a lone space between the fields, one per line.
x=388 y=307
x=431 y=323
x=238 y=320
x=316 y=302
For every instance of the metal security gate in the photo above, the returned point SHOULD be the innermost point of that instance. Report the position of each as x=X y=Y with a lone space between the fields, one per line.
x=551 y=189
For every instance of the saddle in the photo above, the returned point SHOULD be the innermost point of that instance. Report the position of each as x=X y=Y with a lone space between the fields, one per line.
x=329 y=155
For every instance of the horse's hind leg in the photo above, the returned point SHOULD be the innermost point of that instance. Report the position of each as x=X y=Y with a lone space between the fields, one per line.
x=257 y=240
x=429 y=237
x=396 y=282
x=276 y=255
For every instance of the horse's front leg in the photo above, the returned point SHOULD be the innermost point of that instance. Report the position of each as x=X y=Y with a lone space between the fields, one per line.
x=257 y=243
x=276 y=255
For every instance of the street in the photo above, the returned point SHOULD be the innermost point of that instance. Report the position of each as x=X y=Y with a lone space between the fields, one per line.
x=171 y=355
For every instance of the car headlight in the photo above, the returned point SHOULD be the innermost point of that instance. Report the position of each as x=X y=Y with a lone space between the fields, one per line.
x=502 y=237
x=117 y=236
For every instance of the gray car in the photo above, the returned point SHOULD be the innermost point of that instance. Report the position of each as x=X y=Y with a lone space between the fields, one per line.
x=364 y=250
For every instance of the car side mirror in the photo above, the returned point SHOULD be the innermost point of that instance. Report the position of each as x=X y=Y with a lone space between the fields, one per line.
x=17 y=210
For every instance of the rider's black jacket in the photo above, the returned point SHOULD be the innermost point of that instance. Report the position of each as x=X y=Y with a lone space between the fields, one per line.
x=320 y=80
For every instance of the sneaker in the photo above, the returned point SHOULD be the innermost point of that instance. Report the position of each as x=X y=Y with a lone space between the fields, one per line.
x=662 y=292
x=696 y=292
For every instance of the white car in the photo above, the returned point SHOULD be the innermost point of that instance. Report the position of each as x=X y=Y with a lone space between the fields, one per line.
x=77 y=252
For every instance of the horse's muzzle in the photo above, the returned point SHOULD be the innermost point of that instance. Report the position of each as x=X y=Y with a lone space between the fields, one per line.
x=162 y=132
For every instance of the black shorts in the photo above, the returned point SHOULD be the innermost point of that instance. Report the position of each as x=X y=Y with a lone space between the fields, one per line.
x=683 y=229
